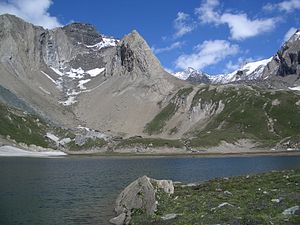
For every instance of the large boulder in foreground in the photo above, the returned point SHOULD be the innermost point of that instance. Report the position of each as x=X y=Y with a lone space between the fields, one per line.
x=139 y=195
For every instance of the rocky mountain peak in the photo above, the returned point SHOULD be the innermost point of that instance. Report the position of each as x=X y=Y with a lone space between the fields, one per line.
x=135 y=55
x=286 y=62
x=193 y=76
x=83 y=33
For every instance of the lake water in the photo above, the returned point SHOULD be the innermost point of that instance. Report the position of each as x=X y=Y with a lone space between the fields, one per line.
x=82 y=190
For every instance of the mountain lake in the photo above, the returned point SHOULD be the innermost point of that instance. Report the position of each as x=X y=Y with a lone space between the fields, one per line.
x=82 y=190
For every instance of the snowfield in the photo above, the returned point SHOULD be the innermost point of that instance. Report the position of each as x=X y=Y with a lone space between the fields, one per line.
x=9 y=151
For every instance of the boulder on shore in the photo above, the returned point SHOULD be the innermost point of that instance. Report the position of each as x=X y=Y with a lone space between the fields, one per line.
x=139 y=195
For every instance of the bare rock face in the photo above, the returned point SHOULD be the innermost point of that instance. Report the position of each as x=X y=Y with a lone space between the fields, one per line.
x=83 y=33
x=65 y=71
x=133 y=56
x=285 y=65
x=140 y=194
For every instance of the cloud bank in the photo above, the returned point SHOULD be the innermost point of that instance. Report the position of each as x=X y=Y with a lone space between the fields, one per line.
x=208 y=53
x=240 y=25
x=33 y=11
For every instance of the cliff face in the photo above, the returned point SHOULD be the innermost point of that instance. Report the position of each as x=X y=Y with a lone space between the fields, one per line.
x=65 y=71
x=285 y=65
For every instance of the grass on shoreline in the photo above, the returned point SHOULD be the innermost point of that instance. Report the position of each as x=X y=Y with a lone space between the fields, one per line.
x=255 y=199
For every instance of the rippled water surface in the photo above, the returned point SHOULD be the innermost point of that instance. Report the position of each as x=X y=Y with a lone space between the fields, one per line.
x=82 y=190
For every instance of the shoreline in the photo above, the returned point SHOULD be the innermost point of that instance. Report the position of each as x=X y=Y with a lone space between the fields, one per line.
x=11 y=151
x=202 y=154
x=17 y=151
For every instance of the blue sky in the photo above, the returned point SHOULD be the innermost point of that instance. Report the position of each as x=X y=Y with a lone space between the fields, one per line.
x=210 y=35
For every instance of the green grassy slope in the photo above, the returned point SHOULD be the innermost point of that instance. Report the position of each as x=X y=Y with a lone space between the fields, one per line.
x=252 y=113
x=256 y=199
x=22 y=127
x=264 y=116
x=156 y=125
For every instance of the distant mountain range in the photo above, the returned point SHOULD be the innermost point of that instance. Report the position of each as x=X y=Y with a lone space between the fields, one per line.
x=284 y=63
x=73 y=83
x=248 y=71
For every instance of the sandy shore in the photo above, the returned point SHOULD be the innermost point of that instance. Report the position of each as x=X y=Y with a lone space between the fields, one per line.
x=9 y=151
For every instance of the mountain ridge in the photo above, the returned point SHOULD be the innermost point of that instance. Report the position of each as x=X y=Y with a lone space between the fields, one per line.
x=80 y=81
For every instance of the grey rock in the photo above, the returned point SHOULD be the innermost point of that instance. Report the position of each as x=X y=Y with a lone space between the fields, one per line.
x=291 y=211
x=140 y=194
x=83 y=33
x=169 y=216
x=119 y=220
x=285 y=65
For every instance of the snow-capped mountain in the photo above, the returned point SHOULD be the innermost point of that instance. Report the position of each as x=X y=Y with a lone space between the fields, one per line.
x=193 y=75
x=183 y=75
x=249 y=71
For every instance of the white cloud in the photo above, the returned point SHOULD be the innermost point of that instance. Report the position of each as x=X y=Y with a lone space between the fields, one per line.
x=173 y=46
x=285 y=6
x=207 y=13
x=183 y=24
x=33 y=11
x=241 y=27
x=206 y=54
x=289 y=33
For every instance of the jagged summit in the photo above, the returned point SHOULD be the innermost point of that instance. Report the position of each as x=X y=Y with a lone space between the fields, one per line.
x=134 y=51
x=286 y=62
x=83 y=33
x=64 y=71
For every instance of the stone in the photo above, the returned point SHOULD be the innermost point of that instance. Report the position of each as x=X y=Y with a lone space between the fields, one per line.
x=140 y=194
x=169 y=216
x=166 y=185
x=119 y=220
x=291 y=211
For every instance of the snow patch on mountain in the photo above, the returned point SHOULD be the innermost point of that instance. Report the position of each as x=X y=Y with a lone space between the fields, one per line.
x=249 y=71
x=72 y=81
x=105 y=43
x=71 y=100
x=183 y=75
x=295 y=88
x=82 y=82
x=95 y=72
x=57 y=71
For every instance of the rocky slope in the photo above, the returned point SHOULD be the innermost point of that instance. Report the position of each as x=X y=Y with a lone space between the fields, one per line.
x=285 y=65
x=63 y=72
x=114 y=95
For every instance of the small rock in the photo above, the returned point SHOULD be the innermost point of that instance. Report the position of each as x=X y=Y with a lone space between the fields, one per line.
x=291 y=211
x=276 y=200
x=169 y=216
x=166 y=185
x=227 y=193
x=119 y=220
x=224 y=204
